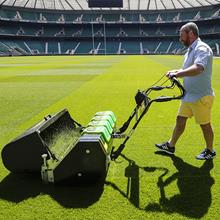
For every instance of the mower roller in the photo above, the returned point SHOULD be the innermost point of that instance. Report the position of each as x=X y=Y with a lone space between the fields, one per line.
x=62 y=149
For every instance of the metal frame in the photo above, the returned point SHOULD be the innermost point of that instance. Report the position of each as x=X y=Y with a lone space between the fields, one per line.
x=104 y=36
x=142 y=99
x=168 y=4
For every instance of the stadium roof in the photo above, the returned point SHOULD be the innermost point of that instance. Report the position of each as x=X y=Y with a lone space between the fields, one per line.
x=127 y=4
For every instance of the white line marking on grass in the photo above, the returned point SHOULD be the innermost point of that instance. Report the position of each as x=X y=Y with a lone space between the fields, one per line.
x=16 y=64
x=54 y=72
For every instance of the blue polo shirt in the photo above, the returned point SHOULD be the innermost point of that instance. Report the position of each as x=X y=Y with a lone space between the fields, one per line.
x=200 y=85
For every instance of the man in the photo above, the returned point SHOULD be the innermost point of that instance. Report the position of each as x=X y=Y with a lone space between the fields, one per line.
x=199 y=97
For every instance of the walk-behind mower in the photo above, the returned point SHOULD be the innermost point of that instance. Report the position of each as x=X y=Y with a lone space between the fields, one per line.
x=62 y=149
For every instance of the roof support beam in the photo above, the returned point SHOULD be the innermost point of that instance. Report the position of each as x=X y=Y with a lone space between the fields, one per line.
x=54 y=6
x=139 y=3
x=174 y=6
x=163 y=4
x=61 y=5
x=43 y=4
x=148 y=4
x=130 y=4
x=199 y=3
x=26 y=3
x=156 y=4
x=35 y=3
x=211 y=3
x=14 y=3
x=67 y=2
x=79 y=4
x=3 y=3
x=188 y=2
x=181 y=3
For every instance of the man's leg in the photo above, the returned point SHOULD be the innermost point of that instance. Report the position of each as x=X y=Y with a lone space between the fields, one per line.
x=203 y=116
x=208 y=135
x=169 y=147
x=208 y=153
x=178 y=130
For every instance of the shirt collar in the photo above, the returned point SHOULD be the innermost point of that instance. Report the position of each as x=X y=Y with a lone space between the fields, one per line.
x=193 y=45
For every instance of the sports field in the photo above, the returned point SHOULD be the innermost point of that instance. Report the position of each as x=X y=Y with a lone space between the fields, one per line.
x=140 y=185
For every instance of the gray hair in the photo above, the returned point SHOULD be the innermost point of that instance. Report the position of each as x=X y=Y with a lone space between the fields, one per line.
x=190 y=26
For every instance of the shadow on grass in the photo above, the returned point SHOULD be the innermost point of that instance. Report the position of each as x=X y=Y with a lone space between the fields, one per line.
x=18 y=187
x=194 y=183
x=132 y=174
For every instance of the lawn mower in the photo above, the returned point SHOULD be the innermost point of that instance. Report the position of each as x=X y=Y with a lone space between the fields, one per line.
x=61 y=149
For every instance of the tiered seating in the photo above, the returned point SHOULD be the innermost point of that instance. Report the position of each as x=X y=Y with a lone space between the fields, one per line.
x=112 y=47
x=68 y=47
x=149 y=17
x=149 y=30
x=214 y=44
x=131 y=47
x=71 y=17
x=131 y=30
x=53 y=47
x=3 y=14
x=8 y=14
x=217 y=28
x=89 y=17
x=169 y=17
x=135 y=17
x=12 y=47
x=31 y=30
x=3 y=49
x=207 y=29
x=112 y=17
x=150 y=45
x=167 y=30
x=29 y=16
x=67 y=17
x=207 y=13
x=50 y=17
x=126 y=31
x=36 y=46
x=164 y=46
x=175 y=47
x=84 y=47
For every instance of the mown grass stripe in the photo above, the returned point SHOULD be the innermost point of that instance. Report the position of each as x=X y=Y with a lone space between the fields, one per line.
x=143 y=184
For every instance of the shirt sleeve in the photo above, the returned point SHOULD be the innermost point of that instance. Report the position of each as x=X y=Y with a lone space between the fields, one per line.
x=202 y=54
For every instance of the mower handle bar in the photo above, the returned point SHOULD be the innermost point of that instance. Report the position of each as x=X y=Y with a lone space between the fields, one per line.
x=167 y=98
x=174 y=82
x=143 y=97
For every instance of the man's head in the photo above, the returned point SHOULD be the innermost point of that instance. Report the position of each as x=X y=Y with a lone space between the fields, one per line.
x=188 y=33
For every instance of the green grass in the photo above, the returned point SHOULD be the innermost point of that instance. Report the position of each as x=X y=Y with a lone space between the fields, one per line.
x=61 y=143
x=141 y=184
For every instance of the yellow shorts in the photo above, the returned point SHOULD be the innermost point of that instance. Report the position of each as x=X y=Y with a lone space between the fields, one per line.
x=200 y=109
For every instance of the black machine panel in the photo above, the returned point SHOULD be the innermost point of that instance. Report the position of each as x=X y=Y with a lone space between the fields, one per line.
x=105 y=3
x=23 y=154
x=61 y=149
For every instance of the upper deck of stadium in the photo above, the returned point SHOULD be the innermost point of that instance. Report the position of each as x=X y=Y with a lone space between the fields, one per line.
x=70 y=27
x=149 y=5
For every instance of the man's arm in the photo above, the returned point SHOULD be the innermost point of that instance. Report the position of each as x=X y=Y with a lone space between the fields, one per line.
x=193 y=70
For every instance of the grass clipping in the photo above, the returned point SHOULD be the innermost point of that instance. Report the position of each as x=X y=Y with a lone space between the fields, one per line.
x=63 y=141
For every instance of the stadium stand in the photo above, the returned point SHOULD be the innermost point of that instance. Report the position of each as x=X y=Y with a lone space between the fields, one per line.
x=31 y=31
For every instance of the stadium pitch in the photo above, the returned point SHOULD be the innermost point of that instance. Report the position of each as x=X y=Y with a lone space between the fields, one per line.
x=141 y=184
